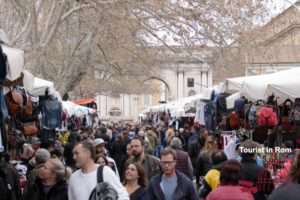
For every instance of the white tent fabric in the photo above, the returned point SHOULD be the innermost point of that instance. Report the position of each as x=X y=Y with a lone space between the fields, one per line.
x=231 y=99
x=285 y=90
x=255 y=87
x=15 y=62
x=28 y=80
x=40 y=86
x=235 y=84
x=74 y=109
x=177 y=108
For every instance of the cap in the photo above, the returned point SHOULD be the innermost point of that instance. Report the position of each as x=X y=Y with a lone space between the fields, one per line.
x=99 y=141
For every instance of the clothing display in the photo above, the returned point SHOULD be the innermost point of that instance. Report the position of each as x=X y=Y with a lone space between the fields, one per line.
x=51 y=110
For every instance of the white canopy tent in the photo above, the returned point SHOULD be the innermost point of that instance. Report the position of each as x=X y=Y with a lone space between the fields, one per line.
x=28 y=80
x=40 y=86
x=75 y=109
x=178 y=108
x=261 y=86
x=285 y=90
x=16 y=62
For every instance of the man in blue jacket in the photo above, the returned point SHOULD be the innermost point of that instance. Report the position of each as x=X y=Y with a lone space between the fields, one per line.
x=171 y=185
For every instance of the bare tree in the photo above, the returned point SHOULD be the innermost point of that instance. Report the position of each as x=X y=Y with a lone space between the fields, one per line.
x=105 y=43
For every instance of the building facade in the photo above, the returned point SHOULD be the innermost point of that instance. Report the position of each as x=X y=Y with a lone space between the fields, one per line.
x=179 y=75
x=274 y=46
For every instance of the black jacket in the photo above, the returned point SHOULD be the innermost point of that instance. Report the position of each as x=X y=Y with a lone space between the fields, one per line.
x=139 y=194
x=9 y=176
x=35 y=191
x=258 y=176
x=204 y=164
x=184 y=191
x=286 y=191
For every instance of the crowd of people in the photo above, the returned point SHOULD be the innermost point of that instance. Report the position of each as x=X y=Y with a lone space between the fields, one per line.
x=133 y=161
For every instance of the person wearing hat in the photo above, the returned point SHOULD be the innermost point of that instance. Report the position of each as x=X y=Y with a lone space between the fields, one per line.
x=212 y=178
x=184 y=163
x=102 y=151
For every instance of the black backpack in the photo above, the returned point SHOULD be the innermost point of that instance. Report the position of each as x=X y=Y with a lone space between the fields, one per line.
x=3 y=65
x=103 y=190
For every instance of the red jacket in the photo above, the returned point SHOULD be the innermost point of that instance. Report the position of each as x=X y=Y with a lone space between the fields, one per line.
x=230 y=192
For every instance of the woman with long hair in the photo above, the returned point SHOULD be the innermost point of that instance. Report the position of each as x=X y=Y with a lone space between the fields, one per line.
x=204 y=161
x=135 y=181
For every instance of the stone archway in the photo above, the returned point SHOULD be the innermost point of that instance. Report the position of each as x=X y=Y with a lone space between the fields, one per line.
x=164 y=87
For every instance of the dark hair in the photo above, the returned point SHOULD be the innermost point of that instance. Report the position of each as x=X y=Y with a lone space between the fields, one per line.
x=74 y=138
x=294 y=173
x=139 y=139
x=104 y=158
x=88 y=145
x=142 y=180
x=218 y=157
x=230 y=173
x=289 y=144
x=168 y=151
x=56 y=152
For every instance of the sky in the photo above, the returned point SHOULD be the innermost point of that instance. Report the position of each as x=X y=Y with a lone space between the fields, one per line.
x=277 y=6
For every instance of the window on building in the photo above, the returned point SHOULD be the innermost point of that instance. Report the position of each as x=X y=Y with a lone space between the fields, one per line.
x=190 y=82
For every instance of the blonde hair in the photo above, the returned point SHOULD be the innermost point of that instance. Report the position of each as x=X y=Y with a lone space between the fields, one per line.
x=170 y=135
x=210 y=144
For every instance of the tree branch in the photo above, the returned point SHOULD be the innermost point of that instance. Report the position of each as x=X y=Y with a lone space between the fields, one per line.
x=47 y=24
x=24 y=29
x=55 y=24
x=75 y=9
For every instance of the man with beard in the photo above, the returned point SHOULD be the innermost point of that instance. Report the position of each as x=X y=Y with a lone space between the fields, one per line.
x=150 y=163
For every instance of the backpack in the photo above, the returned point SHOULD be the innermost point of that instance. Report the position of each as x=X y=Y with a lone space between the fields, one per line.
x=267 y=117
x=3 y=65
x=234 y=120
x=103 y=190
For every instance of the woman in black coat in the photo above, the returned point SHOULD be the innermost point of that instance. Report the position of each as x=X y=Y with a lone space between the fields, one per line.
x=50 y=184
x=135 y=181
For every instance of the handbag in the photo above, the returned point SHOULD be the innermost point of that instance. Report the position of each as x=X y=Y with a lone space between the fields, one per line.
x=29 y=128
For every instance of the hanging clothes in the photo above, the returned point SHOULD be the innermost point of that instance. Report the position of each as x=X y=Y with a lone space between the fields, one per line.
x=51 y=110
x=1 y=142
x=199 y=118
x=230 y=145
x=210 y=115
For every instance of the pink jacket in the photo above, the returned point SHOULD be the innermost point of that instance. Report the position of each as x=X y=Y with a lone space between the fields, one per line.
x=229 y=192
